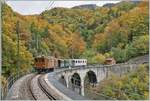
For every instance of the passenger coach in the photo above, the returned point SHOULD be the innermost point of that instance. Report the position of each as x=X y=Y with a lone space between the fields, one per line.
x=71 y=62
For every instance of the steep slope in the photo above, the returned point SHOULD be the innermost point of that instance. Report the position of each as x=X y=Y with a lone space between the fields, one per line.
x=75 y=33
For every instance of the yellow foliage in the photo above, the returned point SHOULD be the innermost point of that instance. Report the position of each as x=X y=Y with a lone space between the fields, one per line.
x=99 y=39
x=3 y=80
x=99 y=58
x=107 y=55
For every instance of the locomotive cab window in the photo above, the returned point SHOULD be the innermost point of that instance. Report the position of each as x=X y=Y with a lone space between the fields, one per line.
x=39 y=59
x=36 y=60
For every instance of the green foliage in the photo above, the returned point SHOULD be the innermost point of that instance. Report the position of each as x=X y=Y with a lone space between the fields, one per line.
x=139 y=46
x=87 y=22
x=124 y=30
x=98 y=58
x=75 y=33
x=132 y=86
x=10 y=58
x=88 y=54
x=94 y=57
x=119 y=54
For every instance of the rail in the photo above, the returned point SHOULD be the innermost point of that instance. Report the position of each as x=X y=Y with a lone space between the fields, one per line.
x=30 y=88
x=44 y=89
x=11 y=79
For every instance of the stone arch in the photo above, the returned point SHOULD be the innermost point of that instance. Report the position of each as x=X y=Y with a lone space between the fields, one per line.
x=76 y=82
x=63 y=80
x=90 y=78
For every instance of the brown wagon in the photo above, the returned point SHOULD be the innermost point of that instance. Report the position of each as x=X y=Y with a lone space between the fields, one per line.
x=45 y=64
x=110 y=61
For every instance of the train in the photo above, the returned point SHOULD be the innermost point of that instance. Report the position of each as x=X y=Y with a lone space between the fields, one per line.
x=44 y=64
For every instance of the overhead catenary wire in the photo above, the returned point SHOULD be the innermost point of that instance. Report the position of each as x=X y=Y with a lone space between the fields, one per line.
x=46 y=8
x=49 y=5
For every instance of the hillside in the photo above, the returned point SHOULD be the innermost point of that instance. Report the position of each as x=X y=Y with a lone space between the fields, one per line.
x=88 y=6
x=120 y=31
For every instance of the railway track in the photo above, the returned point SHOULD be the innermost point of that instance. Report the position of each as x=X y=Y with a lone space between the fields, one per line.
x=30 y=88
x=39 y=91
x=44 y=89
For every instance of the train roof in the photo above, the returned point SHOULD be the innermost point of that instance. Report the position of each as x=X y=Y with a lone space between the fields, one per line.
x=78 y=59
x=72 y=59
x=50 y=57
x=42 y=56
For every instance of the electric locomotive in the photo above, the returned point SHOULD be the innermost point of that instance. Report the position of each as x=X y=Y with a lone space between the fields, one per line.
x=48 y=64
x=45 y=64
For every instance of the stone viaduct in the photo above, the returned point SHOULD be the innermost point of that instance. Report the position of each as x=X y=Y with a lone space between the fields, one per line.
x=75 y=78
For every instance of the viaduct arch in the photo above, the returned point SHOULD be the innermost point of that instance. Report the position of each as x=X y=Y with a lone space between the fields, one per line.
x=75 y=78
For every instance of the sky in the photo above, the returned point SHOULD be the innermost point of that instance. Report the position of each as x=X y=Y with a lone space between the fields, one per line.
x=27 y=7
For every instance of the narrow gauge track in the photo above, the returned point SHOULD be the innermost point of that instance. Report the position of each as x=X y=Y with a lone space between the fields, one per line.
x=30 y=88
x=44 y=89
x=40 y=86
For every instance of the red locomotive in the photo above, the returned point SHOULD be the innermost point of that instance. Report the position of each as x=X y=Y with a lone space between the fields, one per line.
x=45 y=64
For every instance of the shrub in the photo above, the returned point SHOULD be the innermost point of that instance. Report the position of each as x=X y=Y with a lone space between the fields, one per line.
x=120 y=55
x=98 y=58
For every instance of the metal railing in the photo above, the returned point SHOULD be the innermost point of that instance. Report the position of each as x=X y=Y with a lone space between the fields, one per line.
x=10 y=81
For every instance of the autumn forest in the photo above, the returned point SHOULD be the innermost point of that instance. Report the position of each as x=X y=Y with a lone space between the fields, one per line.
x=120 y=31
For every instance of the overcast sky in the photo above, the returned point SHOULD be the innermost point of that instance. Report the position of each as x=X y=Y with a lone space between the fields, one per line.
x=36 y=7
